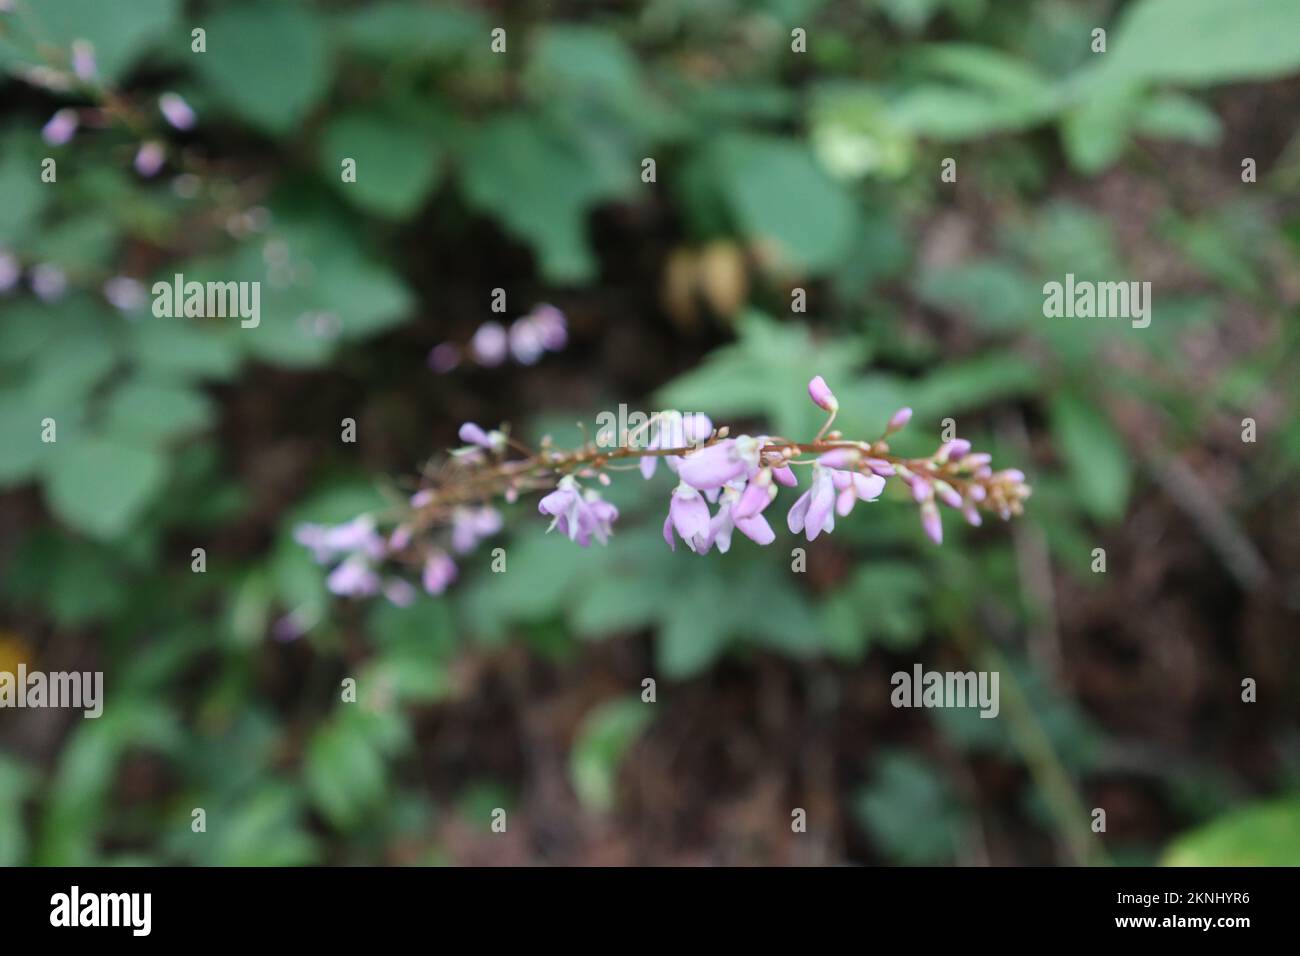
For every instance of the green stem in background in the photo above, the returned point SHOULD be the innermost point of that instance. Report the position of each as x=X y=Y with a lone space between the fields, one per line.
x=1053 y=780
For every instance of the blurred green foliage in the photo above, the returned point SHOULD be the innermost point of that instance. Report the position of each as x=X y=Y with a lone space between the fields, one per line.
x=823 y=169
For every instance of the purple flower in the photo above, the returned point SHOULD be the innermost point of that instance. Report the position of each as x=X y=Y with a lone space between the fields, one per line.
x=852 y=487
x=947 y=494
x=176 y=111
x=551 y=326
x=953 y=449
x=931 y=521
x=579 y=515
x=471 y=525
x=688 y=515
x=490 y=344
x=758 y=494
x=471 y=434
x=61 y=127
x=124 y=293
x=10 y=272
x=83 y=61
x=400 y=592
x=822 y=395
x=49 y=282
x=443 y=358
x=814 y=511
x=353 y=578
x=714 y=466
x=899 y=419
x=598 y=518
x=399 y=539
x=784 y=475
x=525 y=341
x=439 y=572
x=149 y=159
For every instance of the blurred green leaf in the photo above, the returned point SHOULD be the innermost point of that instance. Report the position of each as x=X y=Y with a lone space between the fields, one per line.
x=41 y=32
x=1203 y=41
x=397 y=163
x=268 y=62
x=101 y=485
x=1263 y=834
x=1099 y=463
x=604 y=738
x=909 y=810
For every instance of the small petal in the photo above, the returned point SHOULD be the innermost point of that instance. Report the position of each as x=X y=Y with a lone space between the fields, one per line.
x=900 y=418
x=822 y=395
x=931 y=522
x=756 y=529
x=471 y=434
x=176 y=111
x=712 y=467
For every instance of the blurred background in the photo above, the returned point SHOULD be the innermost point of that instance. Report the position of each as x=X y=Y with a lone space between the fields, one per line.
x=797 y=145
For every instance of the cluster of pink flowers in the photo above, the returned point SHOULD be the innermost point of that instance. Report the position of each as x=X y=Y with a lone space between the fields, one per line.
x=724 y=484
x=526 y=340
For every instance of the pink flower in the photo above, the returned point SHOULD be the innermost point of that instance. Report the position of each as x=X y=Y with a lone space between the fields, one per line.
x=471 y=525
x=353 y=578
x=814 y=511
x=852 y=487
x=61 y=127
x=525 y=341
x=471 y=434
x=83 y=61
x=688 y=515
x=758 y=494
x=580 y=516
x=439 y=572
x=551 y=326
x=176 y=111
x=443 y=358
x=714 y=466
x=931 y=522
x=490 y=344
x=822 y=395
x=149 y=158
x=400 y=592
x=899 y=419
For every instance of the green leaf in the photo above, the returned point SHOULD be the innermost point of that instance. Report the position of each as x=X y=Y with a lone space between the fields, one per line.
x=781 y=199
x=1099 y=464
x=345 y=770
x=1203 y=41
x=41 y=32
x=149 y=411
x=1096 y=131
x=603 y=739
x=25 y=196
x=1263 y=834
x=1179 y=117
x=100 y=486
x=398 y=163
x=267 y=62
x=909 y=810
x=406 y=29
x=540 y=185
x=16 y=783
